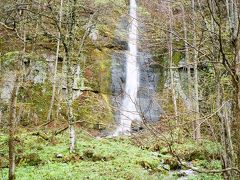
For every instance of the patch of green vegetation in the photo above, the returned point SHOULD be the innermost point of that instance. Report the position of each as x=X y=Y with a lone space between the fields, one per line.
x=93 y=159
x=204 y=176
x=97 y=158
x=3 y=151
x=34 y=98
x=98 y=78
x=203 y=155
x=192 y=150
x=161 y=62
x=177 y=56
x=104 y=69
x=9 y=59
x=93 y=110
x=118 y=3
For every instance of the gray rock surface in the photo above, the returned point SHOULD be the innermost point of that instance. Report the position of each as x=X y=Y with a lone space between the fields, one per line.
x=36 y=70
x=148 y=104
x=7 y=86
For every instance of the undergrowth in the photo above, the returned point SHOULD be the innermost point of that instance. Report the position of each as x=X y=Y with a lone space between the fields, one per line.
x=95 y=158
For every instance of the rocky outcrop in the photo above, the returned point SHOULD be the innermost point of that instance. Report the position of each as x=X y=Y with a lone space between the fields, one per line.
x=33 y=68
x=7 y=86
x=36 y=69
x=148 y=105
x=36 y=77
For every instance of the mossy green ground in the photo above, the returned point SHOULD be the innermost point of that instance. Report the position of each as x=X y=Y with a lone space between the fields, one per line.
x=95 y=158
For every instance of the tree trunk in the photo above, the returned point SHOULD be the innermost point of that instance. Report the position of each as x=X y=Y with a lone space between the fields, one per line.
x=70 y=73
x=71 y=120
x=174 y=98
x=196 y=124
x=55 y=67
x=189 y=76
x=12 y=124
x=237 y=104
x=237 y=130
x=224 y=118
x=234 y=22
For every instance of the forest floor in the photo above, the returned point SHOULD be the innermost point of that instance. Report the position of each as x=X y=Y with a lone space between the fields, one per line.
x=104 y=158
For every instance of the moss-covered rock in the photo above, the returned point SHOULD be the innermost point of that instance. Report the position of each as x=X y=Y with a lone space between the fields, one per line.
x=34 y=100
x=9 y=60
x=90 y=155
x=98 y=78
x=32 y=159
x=93 y=111
x=3 y=162
x=191 y=150
x=172 y=162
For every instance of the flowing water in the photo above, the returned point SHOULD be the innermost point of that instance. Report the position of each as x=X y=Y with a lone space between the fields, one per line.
x=128 y=110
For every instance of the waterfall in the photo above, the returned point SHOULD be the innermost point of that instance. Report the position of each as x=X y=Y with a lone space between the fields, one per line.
x=128 y=110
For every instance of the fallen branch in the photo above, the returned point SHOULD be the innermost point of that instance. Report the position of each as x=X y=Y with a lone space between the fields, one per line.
x=211 y=171
x=201 y=170
x=42 y=135
x=61 y=130
x=6 y=26
x=46 y=123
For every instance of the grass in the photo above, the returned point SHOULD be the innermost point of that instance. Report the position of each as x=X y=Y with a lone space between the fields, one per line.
x=95 y=158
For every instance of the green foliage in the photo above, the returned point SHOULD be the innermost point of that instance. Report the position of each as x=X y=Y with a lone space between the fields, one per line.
x=208 y=164
x=202 y=155
x=3 y=151
x=35 y=98
x=98 y=78
x=191 y=150
x=102 y=2
x=9 y=59
x=97 y=158
x=93 y=110
x=204 y=176
x=177 y=56
x=94 y=159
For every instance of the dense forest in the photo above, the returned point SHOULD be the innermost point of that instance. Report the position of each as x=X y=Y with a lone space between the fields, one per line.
x=126 y=89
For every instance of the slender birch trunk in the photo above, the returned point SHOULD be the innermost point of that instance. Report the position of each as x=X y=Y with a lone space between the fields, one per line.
x=196 y=126
x=70 y=72
x=55 y=66
x=12 y=126
x=226 y=142
x=234 y=23
x=174 y=98
x=71 y=121
x=187 y=59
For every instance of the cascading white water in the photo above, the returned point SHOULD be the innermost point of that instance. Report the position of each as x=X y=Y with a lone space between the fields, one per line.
x=128 y=109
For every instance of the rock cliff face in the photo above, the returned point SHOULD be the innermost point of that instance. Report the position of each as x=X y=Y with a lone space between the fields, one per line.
x=91 y=80
x=7 y=86
x=148 y=104
x=35 y=69
x=38 y=73
x=35 y=90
